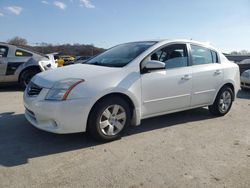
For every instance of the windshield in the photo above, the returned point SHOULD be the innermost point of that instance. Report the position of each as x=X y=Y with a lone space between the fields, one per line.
x=120 y=55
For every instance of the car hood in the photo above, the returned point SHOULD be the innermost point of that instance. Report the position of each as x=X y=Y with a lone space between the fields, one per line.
x=246 y=61
x=80 y=71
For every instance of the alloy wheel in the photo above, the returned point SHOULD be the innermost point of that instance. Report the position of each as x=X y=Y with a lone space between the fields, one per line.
x=112 y=120
x=225 y=101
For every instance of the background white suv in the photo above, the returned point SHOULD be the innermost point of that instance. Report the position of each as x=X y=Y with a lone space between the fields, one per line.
x=130 y=82
x=245 y=80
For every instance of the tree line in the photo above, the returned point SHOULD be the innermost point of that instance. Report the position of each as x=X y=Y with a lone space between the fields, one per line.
x=75 y=49
x=242 y=52
x=64 y=49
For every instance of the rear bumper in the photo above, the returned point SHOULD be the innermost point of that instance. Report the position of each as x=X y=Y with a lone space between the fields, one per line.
x=61 y=117
x=245 y=83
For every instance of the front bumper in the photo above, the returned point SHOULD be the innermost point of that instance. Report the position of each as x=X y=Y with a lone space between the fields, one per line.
x=61 y=117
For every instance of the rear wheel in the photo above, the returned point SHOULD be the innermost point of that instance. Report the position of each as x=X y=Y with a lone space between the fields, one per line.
x=109 y=119
x=223 y=102
x=26 y=76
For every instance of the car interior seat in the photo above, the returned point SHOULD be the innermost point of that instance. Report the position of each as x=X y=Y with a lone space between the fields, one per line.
x=175 y=60
x=154 y=57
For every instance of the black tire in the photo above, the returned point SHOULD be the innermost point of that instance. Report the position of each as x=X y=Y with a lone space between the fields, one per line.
x=26 y=76
x=216 y=108
x=94 y=125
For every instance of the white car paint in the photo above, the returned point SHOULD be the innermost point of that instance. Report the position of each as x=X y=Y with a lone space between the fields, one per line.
x=156 y=93
x=245 y=79
x=51 y=61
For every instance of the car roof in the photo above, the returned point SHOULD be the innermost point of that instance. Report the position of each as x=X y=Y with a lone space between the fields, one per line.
x=6 y=44
x=207 y=44
x=165 y=41
x=22 y=48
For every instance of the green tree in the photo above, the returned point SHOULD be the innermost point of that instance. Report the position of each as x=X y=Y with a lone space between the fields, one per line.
x=18 y=41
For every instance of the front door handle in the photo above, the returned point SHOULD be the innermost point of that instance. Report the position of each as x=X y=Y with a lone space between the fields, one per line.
x=186 y=77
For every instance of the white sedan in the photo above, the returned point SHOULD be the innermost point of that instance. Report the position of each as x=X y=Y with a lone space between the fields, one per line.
x=131 y=82
x=245 y=79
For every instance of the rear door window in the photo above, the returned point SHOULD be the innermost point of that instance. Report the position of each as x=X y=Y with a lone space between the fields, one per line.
x=201 y=55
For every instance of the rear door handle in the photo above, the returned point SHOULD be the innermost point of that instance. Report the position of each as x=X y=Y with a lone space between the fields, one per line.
x=186 y=77
x=217 y=72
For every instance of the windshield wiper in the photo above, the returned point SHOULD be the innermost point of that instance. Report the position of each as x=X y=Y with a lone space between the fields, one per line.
x=94 y=63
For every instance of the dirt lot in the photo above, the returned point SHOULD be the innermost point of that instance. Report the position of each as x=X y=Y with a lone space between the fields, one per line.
x=187 y=149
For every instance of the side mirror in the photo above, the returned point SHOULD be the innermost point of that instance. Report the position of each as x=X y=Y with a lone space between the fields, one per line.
x=153 y=65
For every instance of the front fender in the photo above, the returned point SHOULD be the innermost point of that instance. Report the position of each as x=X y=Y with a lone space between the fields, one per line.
x=135 y=99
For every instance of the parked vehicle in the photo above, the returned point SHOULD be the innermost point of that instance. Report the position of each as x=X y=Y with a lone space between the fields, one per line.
x=245 y=79
x=244 y=65
x=53 y=57
x=131 y=82
x=59 y=61
x=20 y=65
x=68 y=60
x=63 y=60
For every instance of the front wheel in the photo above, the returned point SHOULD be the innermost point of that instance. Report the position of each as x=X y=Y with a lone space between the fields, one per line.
x=222 y=103
x=109 y=119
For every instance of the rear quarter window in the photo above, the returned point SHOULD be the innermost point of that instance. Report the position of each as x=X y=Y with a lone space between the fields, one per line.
x=3 y=51
x=215 y=56
x=22 y=53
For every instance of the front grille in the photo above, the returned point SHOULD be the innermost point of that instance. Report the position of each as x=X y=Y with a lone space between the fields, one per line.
x=247 y=84
x=32 y=113
x=33 y=89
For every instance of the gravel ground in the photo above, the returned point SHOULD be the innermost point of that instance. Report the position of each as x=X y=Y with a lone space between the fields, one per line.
x=187 y=149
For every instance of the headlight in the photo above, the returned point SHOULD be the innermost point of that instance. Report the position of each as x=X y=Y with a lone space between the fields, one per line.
x=61 y=89
x=245 y=74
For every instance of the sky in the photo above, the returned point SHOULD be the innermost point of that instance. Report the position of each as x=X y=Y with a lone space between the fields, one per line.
x=104 y=23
